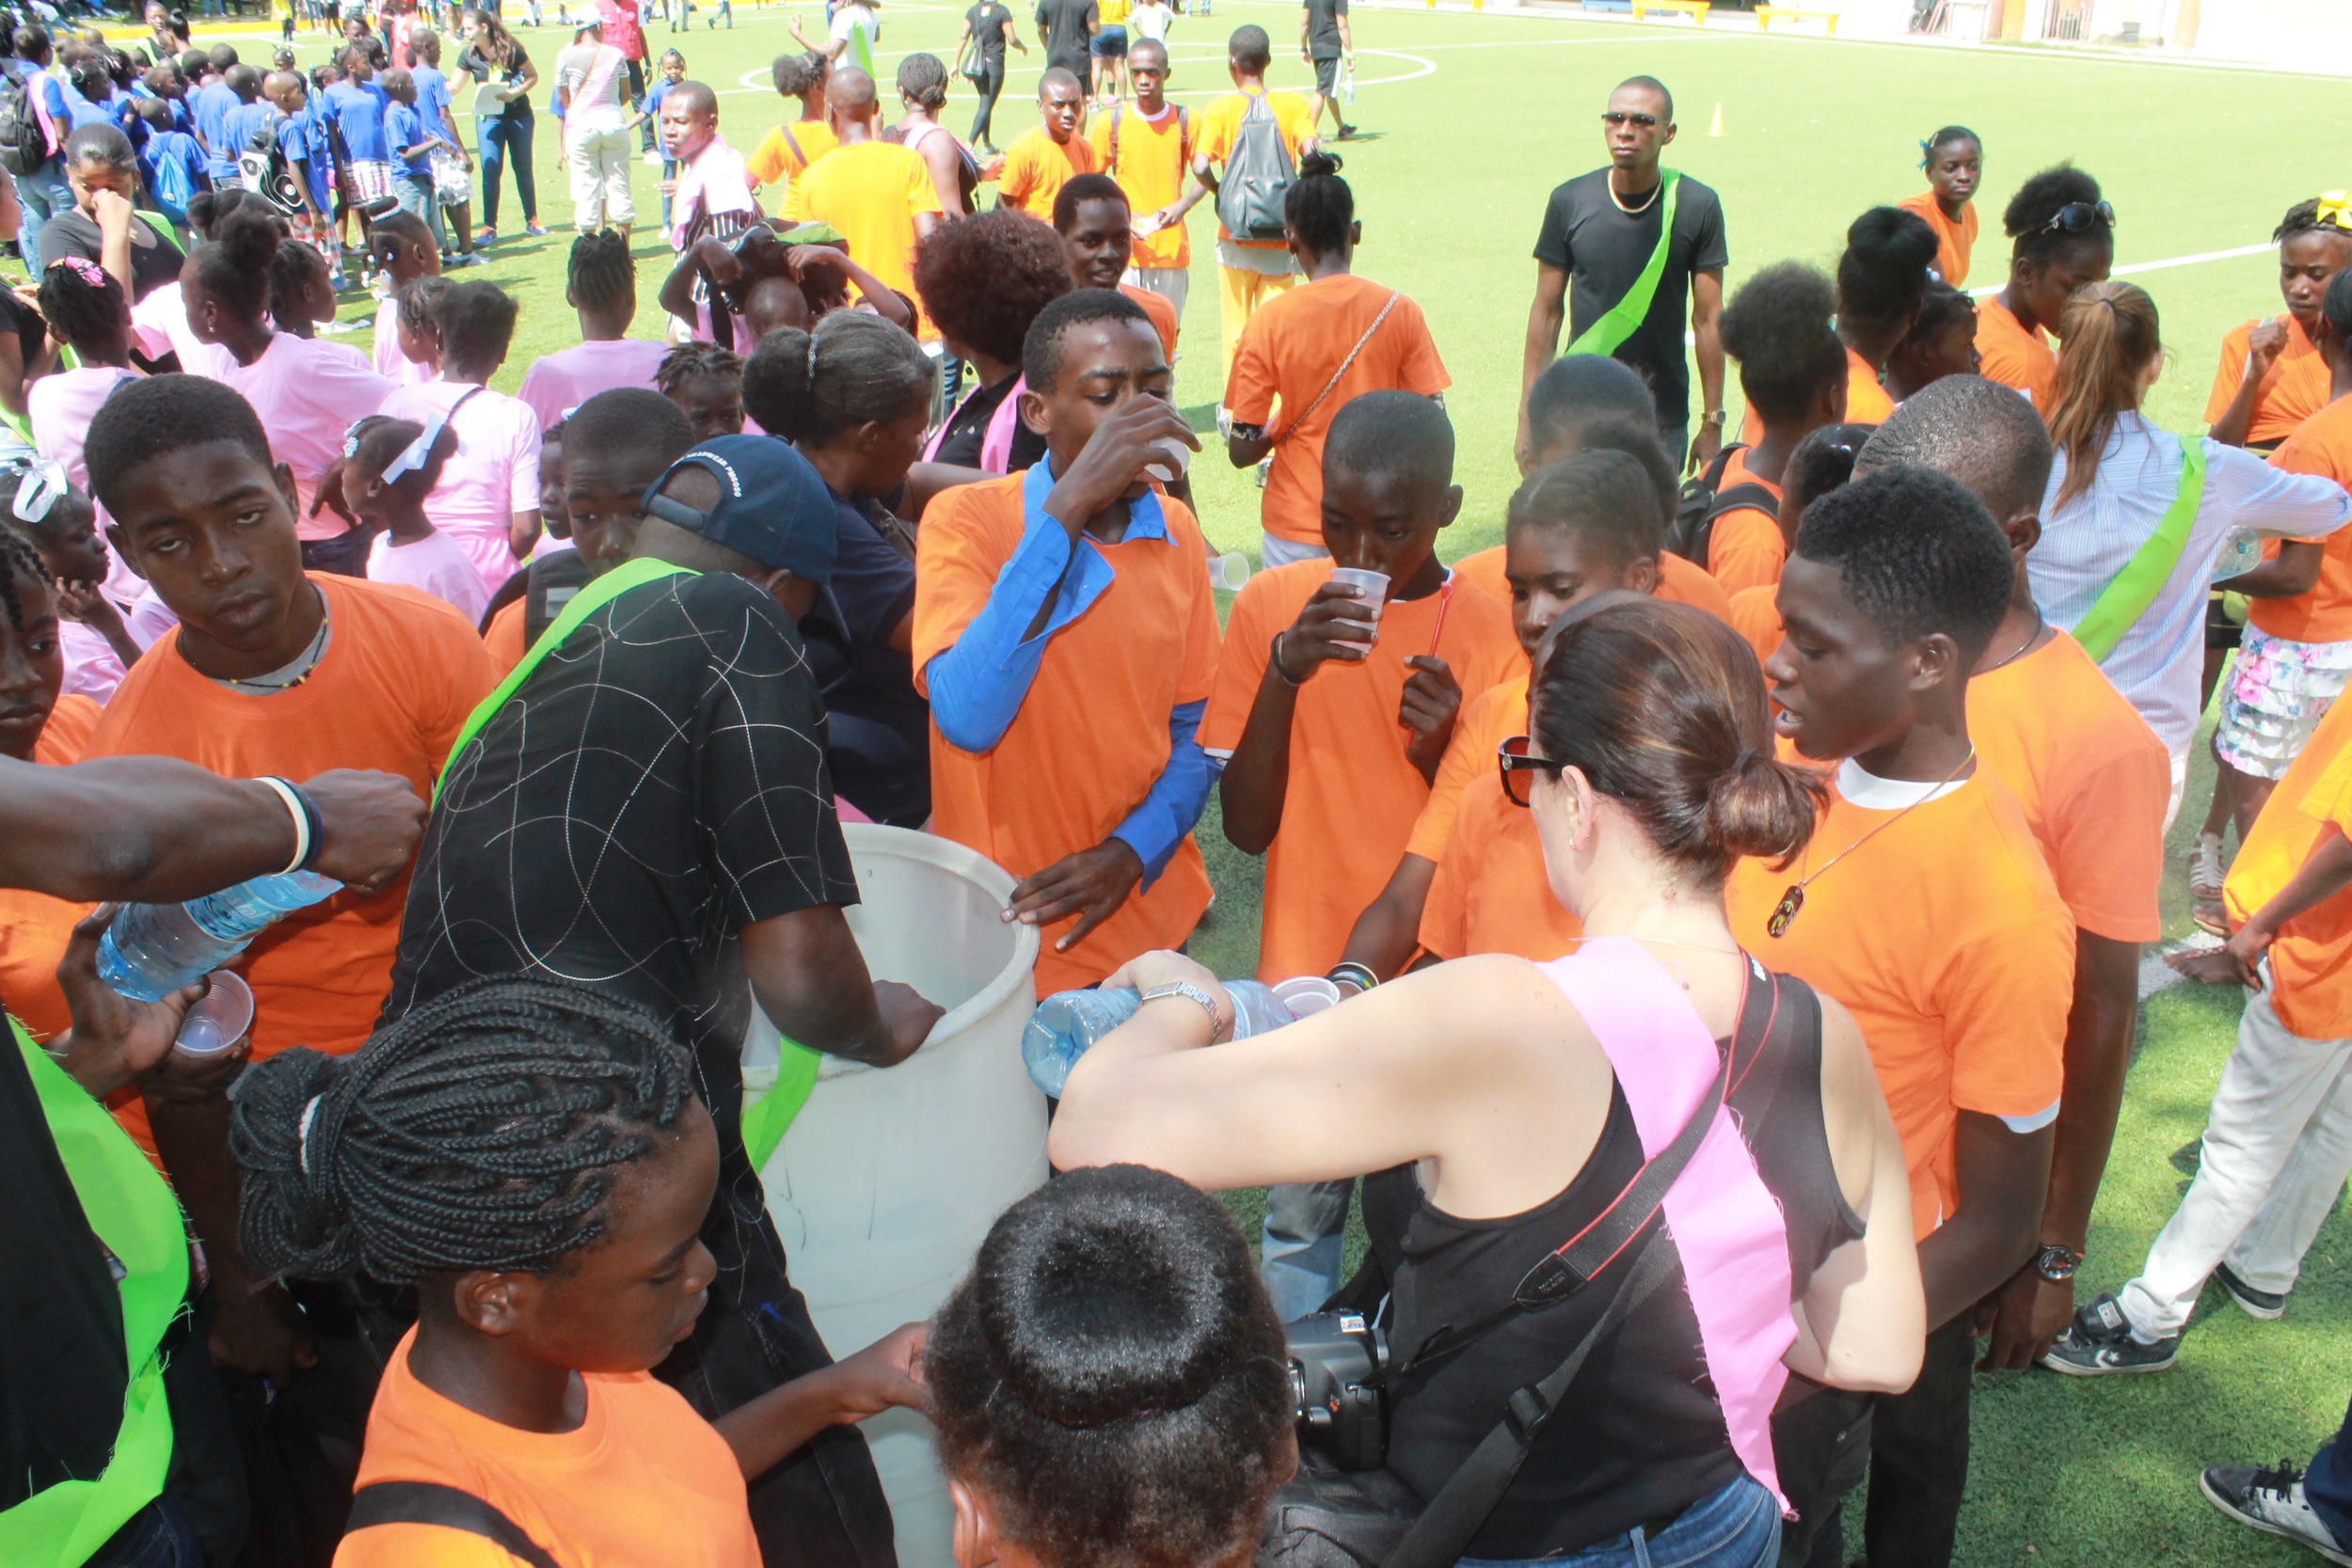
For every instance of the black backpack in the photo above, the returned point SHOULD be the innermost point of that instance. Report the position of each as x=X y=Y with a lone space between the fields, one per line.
x=1257 y=177
x=23 y=145
x=1704 y=499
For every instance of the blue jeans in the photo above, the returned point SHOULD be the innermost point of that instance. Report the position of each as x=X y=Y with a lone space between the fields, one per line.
x=1299 y=1256
x=2328 y=1484
x=157 y=1536
x=41 y=196
x=500 y=139
x=415 y=193
x=1736 y=1525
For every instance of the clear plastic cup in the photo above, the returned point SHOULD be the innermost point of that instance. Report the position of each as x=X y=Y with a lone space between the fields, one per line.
x=1229 y=571
x=220 y=1020
x=1306 y=995
x=1178 y=461
x=1374 y=597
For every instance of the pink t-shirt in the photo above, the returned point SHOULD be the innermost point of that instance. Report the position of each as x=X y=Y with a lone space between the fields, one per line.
x=389 y=362
x=560 y=382
x=307 y=396
x=160 y=323
x=93 y=667
x=493 y=474
x=435 y=566
x=61 y=406
x=714 y=181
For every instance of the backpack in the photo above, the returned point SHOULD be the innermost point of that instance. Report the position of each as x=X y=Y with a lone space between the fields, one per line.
x=262 y=168
x=1704 y=499
x=1258 y=176
x=172 y=188
x=24 y=138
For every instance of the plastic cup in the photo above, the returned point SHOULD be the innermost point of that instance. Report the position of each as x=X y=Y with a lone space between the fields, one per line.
x=1179 y=460
x=220 y=1020
x=1229 y=571
x=1306 y=995
x=1374 y=596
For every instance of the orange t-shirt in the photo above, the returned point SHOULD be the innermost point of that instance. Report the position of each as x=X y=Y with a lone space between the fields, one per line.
x=1866 y=401
x=1037 y=168
x=401 y=672
x=1352 y=795
x=1679 y=581
x=1291 y=350
x=1482 y=723
x=1946 y=938
x=2091 y=778
x=872 y=192
x=1294 y=121
x=2012 y=355
x=1162 y=311
x=34 y=928
x=505 y=639
x=1153 y=164
x=1492 y=893
x=2311 y=984
x=1091 y=736
x=1745 y=549
x=644 y=1479
x=2297 y=385
x=1755 y=615
x=1953 y=241
x=2323 y=612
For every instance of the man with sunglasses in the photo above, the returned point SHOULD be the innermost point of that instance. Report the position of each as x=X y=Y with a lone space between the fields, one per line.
x=1601 y=231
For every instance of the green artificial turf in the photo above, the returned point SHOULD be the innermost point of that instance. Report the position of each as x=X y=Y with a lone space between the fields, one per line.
x=1490 y=113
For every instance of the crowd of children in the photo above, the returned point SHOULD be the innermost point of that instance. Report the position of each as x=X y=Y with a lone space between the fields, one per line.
x=1867 y=733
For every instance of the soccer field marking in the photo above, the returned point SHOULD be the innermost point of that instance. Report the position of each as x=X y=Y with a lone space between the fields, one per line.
x=2132 y=269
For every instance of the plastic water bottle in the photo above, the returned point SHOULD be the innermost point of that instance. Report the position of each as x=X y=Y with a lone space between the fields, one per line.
x=1067 y=1024
x=152 y=950
x=2241 y=551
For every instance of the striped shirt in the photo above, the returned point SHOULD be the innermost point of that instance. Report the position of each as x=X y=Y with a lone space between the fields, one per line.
x=2158 y=662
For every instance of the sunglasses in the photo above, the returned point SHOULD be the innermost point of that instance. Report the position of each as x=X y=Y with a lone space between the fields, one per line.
x=1618 y=117
x=1517 y=765
x=2080 y=217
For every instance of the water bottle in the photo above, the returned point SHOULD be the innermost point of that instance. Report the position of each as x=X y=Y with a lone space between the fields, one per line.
x=152 y=950
x=2241 y=551
x=1067 y=1024
x=1348 y=85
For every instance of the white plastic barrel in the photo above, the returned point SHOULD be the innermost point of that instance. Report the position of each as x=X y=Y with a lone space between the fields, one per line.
x=890 y=1177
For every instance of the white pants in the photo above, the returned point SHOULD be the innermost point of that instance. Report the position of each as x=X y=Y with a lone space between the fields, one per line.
x=1169 y=283
x=2180 y=787
x=600 y=156
x=2278 y=1148
x=1273 y=552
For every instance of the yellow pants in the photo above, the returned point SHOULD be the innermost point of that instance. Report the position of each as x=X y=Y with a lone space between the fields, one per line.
x=1240 y=292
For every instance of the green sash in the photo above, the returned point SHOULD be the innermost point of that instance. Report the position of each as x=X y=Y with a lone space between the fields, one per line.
x=766 y=1119
x=1624 y=318
x=132 y=1212
x=2131 y=591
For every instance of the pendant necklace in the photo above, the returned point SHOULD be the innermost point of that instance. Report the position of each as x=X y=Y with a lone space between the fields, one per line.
x=1785 y=912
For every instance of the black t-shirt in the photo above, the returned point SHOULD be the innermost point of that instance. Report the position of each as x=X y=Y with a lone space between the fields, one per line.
x=1603 y=250
x=987 y=22
x=967 y=428
x=474 y=63
x=656 y=785
x=154 y=260
x=1323 y=29
x=879 y=728
x=25 y=320
x=1068 y=35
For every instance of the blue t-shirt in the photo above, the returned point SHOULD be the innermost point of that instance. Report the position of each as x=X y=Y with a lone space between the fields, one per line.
x=359 y=110
x=404 y=128
x=237 y=128
x=303 y=138
x=211 y=105
x=174 y=166
x=80 y=110
x=653 y=98
x=433 y=100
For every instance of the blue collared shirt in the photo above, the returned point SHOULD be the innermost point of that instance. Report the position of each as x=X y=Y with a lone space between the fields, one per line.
x=977 y=687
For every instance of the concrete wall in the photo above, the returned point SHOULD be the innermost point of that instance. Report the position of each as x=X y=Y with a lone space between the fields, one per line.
x=2302 y=35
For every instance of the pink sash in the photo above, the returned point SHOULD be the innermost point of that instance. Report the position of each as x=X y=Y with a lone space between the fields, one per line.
x=1726 y=1226
x=996 y=440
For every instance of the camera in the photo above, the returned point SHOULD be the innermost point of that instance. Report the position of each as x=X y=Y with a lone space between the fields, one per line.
x=1338 y=1366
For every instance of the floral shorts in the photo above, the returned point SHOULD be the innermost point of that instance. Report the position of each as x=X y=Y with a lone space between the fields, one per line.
x=2278 y=693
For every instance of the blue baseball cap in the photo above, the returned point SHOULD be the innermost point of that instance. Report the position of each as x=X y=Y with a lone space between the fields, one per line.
x=772 y=504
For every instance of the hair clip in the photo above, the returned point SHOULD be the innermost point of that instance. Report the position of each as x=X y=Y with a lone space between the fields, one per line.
x=41 y=485
x=417 y=453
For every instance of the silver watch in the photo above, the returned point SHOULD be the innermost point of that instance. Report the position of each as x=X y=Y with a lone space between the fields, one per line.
x=1191 y=992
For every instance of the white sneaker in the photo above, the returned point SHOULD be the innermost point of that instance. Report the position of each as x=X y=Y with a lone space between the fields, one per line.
x=2271 y=1501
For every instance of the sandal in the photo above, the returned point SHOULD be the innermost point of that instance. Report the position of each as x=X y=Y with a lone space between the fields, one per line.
x=2205 y=878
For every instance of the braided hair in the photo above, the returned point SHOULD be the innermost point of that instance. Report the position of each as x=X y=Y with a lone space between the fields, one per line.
x=82 y=302
x=483 y=1130
x=601 y=273
x=19 y=562
x=848 y=369
x=691 y=361
x=2303 y=218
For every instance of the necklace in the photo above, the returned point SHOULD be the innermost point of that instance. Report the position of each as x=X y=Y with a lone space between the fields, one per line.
x=291 y=675
x=1785 y=912
x=1648 y=202
x=2018 y=652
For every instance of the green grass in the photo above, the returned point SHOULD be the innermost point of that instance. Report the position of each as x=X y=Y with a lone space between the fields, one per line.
x=1451 y=180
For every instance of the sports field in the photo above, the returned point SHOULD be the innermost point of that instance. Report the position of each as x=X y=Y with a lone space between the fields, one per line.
x=1469 y=120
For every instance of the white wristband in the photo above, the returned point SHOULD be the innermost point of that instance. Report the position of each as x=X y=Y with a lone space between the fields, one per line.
x=285 y=793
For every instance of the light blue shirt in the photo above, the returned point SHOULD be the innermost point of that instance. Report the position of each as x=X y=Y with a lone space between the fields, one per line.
x=2158 y=663
x=977 y=687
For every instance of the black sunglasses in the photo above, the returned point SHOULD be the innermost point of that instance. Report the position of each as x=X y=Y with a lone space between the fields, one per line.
x=1514 y=763
x=2080 y=217
x=1618 y=117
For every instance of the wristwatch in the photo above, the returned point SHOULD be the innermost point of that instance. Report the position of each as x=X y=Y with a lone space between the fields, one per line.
x=1190 y=993
x=2056 y=1262
x=1716 y=418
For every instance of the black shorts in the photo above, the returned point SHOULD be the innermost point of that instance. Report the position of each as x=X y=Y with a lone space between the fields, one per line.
x=2220 y=631
x=1328 y=75
x=1110 y=43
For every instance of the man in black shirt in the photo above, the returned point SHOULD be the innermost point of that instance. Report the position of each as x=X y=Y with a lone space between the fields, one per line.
x=650 y=812
x=1065 y=29
x=1601 y=229
x=1323 y=41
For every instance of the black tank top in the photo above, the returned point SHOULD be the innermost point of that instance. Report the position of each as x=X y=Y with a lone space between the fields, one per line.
x=1639 y=1433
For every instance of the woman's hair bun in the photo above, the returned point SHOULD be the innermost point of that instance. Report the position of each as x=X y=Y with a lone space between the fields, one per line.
x=1763 y=808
